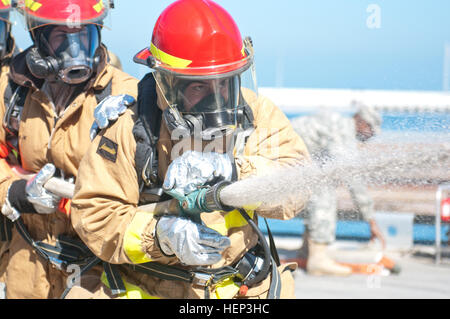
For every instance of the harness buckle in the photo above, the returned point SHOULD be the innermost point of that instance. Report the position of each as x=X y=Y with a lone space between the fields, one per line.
x=58 y=263
x=202 y=279
x=148 y=174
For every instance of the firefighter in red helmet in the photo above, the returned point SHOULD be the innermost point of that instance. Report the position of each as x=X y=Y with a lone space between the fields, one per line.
x=56 y=84
x=202 y=90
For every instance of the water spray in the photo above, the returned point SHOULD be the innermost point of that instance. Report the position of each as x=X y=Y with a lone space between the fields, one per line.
x=296 y=182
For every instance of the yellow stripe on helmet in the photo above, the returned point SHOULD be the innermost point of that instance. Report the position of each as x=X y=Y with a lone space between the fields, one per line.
x=168 y=59
x=33 y=5
x=99 y=6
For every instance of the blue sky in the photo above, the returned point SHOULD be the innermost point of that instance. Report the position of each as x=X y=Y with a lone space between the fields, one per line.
x=357 y=44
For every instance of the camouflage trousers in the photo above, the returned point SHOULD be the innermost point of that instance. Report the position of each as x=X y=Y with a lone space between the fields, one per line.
x=321 y=220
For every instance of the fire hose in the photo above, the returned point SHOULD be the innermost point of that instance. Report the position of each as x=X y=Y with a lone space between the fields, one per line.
x=203 y=200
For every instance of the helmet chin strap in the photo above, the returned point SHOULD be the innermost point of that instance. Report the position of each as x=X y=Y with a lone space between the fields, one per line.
x=172 y=117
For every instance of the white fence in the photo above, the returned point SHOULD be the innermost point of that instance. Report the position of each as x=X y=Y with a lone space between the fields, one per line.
x=292 y=100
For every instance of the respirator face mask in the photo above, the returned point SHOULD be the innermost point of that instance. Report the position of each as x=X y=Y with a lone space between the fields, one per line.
x=66 y=53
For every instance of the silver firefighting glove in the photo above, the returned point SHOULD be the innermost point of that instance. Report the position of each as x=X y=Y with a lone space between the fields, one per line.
x=192 y=243
x=43 y=201
x=109 y=109
x=9 y=210
x=193 y=169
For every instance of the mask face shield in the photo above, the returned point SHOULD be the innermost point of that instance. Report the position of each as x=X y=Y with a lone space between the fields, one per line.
x=213 y=104
x=214 y=101
x=74 y=49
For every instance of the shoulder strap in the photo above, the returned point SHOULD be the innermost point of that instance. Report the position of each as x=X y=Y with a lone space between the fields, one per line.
x=146 y=134
x=10 y=89
x=14 y=99
x=148 y=109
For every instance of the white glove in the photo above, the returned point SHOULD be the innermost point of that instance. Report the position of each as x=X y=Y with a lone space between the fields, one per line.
x=193 y=169
x=109 y=110
x=43 y=201
x=192 y=243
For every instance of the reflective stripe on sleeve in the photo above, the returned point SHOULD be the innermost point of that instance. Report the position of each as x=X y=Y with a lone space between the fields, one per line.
x=132 y=241
x=232 y=219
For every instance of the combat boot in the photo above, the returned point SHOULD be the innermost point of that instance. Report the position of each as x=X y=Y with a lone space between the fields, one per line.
x=319 y=263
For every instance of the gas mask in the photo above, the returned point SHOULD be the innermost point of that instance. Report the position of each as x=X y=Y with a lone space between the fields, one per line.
x=64 y=53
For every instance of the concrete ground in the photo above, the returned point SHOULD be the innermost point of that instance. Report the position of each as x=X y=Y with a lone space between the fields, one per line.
x=420 y=277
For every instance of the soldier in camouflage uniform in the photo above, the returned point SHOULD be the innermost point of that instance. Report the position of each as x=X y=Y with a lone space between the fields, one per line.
x=329 y=136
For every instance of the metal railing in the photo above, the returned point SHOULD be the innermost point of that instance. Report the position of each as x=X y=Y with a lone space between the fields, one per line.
x=439 y=192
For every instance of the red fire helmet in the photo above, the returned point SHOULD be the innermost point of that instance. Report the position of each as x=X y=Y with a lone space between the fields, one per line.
x=196 y=38
x=64 y=12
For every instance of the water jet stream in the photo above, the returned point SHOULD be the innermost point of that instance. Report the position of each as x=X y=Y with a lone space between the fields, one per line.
x=396 y=166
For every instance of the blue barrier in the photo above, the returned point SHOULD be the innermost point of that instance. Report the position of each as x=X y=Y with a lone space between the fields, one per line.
x=357 y=230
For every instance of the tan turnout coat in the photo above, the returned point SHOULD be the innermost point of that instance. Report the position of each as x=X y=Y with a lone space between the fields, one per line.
x=42 y=139
x=105 y=209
